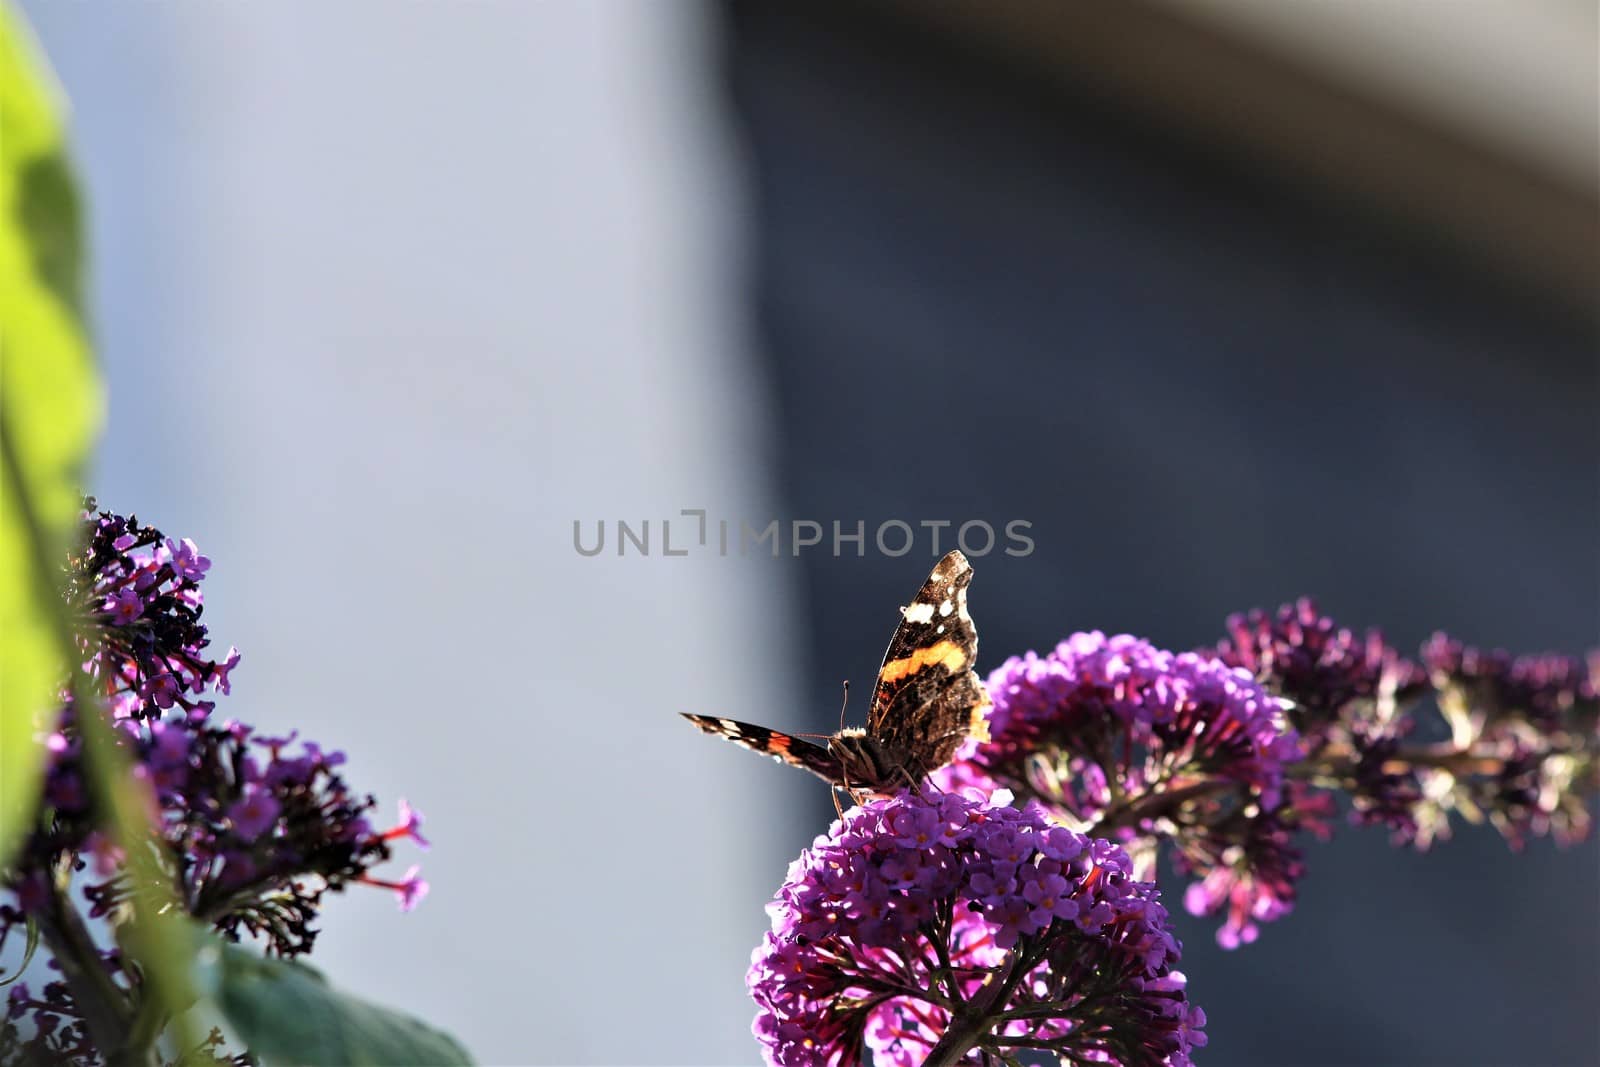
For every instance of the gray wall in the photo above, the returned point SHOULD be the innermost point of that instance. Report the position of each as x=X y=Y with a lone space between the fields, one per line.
x=388 y=295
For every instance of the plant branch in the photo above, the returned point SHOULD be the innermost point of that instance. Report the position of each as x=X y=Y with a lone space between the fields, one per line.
x=99 y=1001
x=968 y=1027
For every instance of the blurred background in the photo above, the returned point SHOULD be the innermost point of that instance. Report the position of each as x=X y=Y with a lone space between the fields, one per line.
x=1233 y=300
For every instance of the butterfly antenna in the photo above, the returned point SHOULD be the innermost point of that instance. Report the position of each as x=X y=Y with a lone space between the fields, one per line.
x=844 y=704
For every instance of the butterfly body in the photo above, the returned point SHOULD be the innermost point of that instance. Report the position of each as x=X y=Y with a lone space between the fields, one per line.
x=926 y=702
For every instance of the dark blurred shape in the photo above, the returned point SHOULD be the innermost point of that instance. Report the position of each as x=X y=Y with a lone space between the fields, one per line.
x=1225 y=335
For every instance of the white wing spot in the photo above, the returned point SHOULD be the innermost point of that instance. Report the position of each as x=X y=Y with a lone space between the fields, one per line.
x=921 y=614
x=945 y=608
x=939 y=629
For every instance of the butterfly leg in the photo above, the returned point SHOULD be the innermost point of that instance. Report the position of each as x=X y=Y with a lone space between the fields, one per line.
x=914 y=781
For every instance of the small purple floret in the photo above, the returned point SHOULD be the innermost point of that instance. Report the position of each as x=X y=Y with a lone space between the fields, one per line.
x=254 y=813
x=124 y=606
x=187 y=562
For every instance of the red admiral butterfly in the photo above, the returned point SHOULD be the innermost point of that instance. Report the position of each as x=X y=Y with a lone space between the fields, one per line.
x=927 y=701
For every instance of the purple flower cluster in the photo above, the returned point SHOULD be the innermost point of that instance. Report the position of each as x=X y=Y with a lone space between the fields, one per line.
x=934 y=928
x=1346 y=693
x=1552 y=693
x=260 y=829
x=138 y=594
x=58 y=1035
x=257 y=828
x=1329 y=672
x=1523 y=729
x=1248 y=868
x=1125 y=740
x=1118 y=720
x=1525 y=732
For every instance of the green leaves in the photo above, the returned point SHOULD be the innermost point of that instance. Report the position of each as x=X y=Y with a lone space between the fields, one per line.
x=287 y=1013
x=51 y=407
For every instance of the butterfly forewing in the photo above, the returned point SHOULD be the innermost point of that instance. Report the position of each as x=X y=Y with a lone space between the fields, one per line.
x=928 y=698
x=795 y=751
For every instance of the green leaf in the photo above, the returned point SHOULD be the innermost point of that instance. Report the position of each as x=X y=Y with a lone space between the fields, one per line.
x=28 y=949
x=287 y=1013
x=51 y=408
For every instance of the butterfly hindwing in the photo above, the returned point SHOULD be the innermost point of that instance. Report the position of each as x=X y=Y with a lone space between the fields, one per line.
x=795 y=751
x=928 y=698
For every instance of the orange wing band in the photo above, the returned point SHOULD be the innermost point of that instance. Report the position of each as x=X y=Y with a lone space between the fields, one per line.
x=946 y=654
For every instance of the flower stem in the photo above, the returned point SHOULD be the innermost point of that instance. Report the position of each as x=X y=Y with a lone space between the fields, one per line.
x=103 y=1006
x=982 y=1011
x=965 y=1031
x=1337 y=762
x=1146 y=805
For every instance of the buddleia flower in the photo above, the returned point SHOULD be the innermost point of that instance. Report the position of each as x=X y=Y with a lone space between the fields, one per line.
x=937 y=928
x=1165 y=753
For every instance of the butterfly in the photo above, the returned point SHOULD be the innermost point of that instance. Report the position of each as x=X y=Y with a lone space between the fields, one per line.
x=927 y=700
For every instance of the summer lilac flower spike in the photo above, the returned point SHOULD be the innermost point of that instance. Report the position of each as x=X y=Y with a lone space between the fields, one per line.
x=1526 y=730
x=1346 y=692
x=1324 y=668
x=142 y=592
x=1129 y=719
x=1151 y=748
x=255 y=830
x=934 y=929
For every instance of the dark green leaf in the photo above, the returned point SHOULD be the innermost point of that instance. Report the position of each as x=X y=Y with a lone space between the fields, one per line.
x=287 y=1013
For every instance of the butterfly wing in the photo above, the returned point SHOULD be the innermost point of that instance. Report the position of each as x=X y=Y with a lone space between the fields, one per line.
x=795 y=751
x=928 y=698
